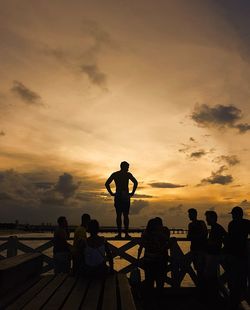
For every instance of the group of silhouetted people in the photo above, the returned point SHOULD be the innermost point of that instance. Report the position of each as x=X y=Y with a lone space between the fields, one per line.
x=217 y=247
x=88 y=252
x=209 y=249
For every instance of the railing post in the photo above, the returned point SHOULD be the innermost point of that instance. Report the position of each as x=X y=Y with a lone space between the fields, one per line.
x=12 y=246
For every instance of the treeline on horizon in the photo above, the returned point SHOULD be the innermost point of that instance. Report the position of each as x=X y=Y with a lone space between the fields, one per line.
x=48 y=227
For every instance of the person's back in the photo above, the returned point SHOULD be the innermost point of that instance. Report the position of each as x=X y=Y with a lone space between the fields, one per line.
x=238 y=231
x=122 y=196
x=61 y=249
x=95 y=251
x=197 y=234
x=60 y=240
x=121 y=179
x=80 y=234
x=237 y=258
x=216 y=238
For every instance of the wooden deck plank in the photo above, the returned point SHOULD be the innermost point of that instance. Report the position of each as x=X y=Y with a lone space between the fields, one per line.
x=46 y=293
x=93 y=294
x=11 y=262
x=61 y=294
x=76 y=296
x=109 y=293
x=127 y=301
x=15 y=293
x=30 y=293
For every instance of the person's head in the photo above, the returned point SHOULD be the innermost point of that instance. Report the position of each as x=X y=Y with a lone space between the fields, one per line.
x=85 y=219
x=237 y=213
x=192 y=213
x=152 y=226
x=158 y=222
x=211 y=217
x=124 y=166
x=93 y=227
x=62 y=221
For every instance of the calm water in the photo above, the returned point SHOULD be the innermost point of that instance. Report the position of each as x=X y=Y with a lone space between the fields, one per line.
x=118 y=262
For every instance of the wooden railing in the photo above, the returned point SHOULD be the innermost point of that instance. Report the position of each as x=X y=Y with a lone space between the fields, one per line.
x=179 y=264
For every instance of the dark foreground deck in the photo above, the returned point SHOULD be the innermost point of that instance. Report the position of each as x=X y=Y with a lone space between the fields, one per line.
x=67 y=292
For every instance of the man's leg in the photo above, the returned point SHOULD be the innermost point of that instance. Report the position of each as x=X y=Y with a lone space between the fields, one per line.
x=119 y=222
x=126 y=222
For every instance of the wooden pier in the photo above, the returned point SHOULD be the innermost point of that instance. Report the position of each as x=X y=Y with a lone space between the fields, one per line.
x=176 y=295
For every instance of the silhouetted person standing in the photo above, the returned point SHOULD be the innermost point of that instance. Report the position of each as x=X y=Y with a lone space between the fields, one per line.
x=216 y=238
x=61 y=249
x=122 y=195
x=238 y=231
x=197 y=234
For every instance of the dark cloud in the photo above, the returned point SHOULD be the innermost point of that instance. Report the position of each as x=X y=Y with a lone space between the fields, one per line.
x=142 y=196
x=2 y=133
x=243 y=127
x=95 y=75
x=218 y=178
x=27 y=95
x=219 y=116
x=176 y=209
x=66 y=185
x=100 y=39
x=245 y=203
x=138 y=205
x=231 y=160
x=185 y=148
x=165 y=185
x=25 y=197
x=197 y=154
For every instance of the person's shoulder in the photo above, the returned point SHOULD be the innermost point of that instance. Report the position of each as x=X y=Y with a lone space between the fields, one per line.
x=201 y=222
x=78 y=228
x=220 y=227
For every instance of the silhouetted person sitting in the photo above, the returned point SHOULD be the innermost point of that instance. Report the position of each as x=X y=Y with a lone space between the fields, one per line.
x=79 y=243
x=61 y=250
x=155 y=242
x=238 y=231
x=216 y=239
x=96 y=252
x=122 y=195
x=197 y=234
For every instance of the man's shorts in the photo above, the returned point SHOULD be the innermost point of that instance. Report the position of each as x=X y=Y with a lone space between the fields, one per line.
x=122 y=203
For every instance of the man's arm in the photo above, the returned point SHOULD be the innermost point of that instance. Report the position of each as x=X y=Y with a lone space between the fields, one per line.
x=133 y=179
x=107 y=184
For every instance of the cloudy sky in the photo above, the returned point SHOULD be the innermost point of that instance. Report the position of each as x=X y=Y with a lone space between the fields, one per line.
x=87 y=84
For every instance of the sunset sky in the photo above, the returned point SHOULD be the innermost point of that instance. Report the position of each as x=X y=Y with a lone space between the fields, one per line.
x=161 y=84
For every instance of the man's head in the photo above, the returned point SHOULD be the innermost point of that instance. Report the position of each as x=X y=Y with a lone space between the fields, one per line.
x=192 y=213
x=211 y=217
x=124 y=166
x=85 y=219
x=158 y=222
x=62 y=221
x=237 y=213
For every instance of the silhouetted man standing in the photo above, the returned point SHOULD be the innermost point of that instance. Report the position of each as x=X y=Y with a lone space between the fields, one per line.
x=197 y=234
x=122 y=195
x=238 y=231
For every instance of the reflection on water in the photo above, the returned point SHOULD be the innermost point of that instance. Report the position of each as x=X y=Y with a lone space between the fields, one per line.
x=119 y=262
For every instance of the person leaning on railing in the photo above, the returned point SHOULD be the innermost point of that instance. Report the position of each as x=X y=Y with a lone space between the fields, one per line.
x=155 y=241
x=61 y=249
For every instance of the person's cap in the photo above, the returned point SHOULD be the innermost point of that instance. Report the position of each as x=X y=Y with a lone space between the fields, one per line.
x=236 y=210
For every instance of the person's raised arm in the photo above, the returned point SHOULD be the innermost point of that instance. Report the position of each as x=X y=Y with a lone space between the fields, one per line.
x=107 y=184
x=133 y=179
